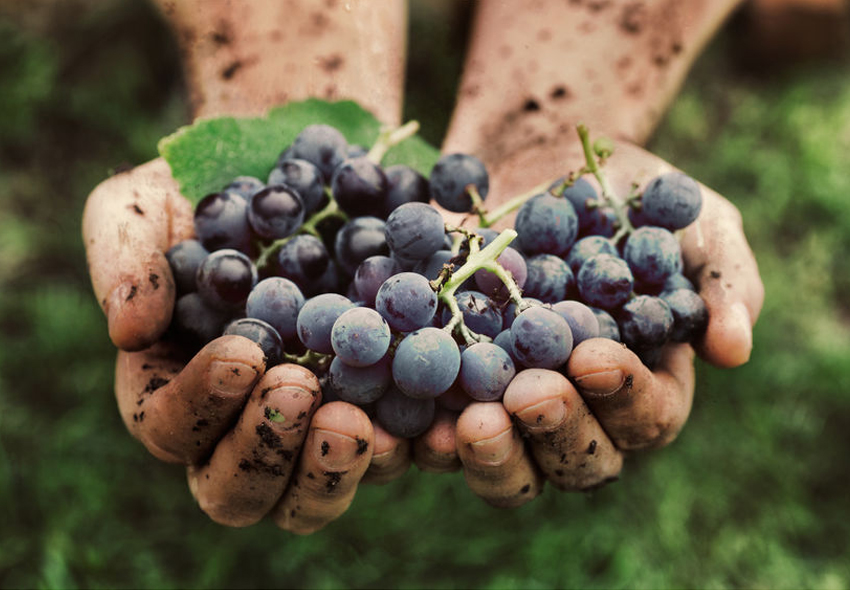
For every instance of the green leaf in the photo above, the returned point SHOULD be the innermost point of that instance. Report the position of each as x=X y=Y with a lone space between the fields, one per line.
x=208 y=154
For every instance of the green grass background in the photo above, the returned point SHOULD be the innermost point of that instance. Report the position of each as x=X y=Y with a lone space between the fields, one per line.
x=754 y=493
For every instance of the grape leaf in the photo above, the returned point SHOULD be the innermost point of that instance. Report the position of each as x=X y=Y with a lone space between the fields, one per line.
x=208 y=154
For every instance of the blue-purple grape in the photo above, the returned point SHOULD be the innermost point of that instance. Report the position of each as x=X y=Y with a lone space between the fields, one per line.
x=403 y=416
x=196 y=322
x=321 y=145
x=581 y=319
x=513 y=262
x=360 y=385
x=277 y=301
x=607 y=325
x=359 y=187
x=316 y=319
x=405 y=185
x=360 y=337
x=605 y=281
x=451 y=176
x=244 y=186
x=588 y=247
x=645 y=323
x=541 y=338
x=370 y=275
x=304 y=178
x=225 y=278
x=480 y=313
x=690 y=316
x=221 y=222
x=414 y=231
x=653 y=255
x=426 y=363
x=359 y=239
x=486 y=371
x=407 y=301
x=672 y=201
x=549 y=278
x=184 y=259
x=275 y=212
x=546 y=225
x=303 y=260
x=260 y=332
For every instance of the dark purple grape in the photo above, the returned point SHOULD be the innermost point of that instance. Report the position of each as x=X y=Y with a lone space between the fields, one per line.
x=645 y=323
x=672 y=201
x=546 y=225
x=321 y=145
x=690 y=316
x=277 y=301
x=605 y=281
x=602 y=221
x=426 y=363
x=221 y=221
x=316 y=319
x=450 y=177
x=196 y=322
x=359 y=187
x=480 y=313
x=510 y=312
x=225 y=278
x=360 y=337
x=276 y=212
x=371 y=274
x=359 y=239
x=549 y=278
x=406 y=301
x=414 y=231
x=541 y=338
x=303 y=260
x=360 y=385
x=486 y=371
x=184 y=259
x=304 y=178
x=431 y=267
x=653 y=255
x=588 y=247
x=405 y=185
x=260 y=332
x=581 y=319
x=503 y=340
x=607 y=325
x=244 y=186
x=403 y=416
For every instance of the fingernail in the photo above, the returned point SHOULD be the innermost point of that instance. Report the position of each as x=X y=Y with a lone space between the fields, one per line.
x=333 y=450
x=287 y=407
x=544 y=415
x=601 y=383
x=495 y=450
x=231 y=377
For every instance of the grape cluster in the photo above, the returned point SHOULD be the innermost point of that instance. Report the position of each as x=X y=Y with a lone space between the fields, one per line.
x=342 y=265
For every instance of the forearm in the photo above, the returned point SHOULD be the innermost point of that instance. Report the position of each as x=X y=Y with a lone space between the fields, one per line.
x=533 y=72
x=243 y=57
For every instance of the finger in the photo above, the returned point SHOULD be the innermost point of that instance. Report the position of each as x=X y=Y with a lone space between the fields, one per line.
x=568 y=443
x=717 y=255
x=130 y=220
x=436 y=450
x=250 y=467
x=391 y=458
x=495 y=462
x=180 y=417
x=638 y=408
x=336 y=454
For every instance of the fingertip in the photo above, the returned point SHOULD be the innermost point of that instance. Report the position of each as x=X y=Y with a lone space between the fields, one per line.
x=728 y=341
x=601 y=367
x=341 y=437
x=538 y=398
x=435 y=451
x=485 y=434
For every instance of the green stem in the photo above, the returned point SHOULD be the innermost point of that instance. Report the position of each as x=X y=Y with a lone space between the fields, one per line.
x=389 y=137
x=507 y=279
x=309 y=358
x=608 y=195
x=511 y=205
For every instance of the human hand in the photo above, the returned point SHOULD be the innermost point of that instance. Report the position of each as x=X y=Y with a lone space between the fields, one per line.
x=255 y=442
x=579 y=426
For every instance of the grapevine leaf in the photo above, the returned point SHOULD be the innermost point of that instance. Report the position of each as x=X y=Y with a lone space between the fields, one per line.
x=208 y=154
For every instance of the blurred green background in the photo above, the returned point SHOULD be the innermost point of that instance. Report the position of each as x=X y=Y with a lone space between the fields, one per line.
x=754 y=493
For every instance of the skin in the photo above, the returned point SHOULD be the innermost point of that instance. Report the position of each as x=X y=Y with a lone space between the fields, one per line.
x=132 y=218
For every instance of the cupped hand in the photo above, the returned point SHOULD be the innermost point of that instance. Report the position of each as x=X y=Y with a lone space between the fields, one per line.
x=573 y=429
x=255 y=441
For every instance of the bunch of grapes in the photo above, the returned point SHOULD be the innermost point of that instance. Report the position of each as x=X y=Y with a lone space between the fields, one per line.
x=341 y=265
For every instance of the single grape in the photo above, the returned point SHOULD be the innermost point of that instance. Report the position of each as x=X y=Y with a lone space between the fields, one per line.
x=451 y=176
x=405 y=185
x=583 y=197
x=690 y=316
x=197 y=322
x=275 y=212
x=225 y=278
x=303 y=260
x=546 y=225
x=510 y=312
x=602 y=221
x=359 y=187
x=244 y=186
x=184 y=259
x=581 y=319
x=486 y=371
x=415 y=231
x=360 y=337
x=645 y=323
x=653 y=255
x=480 y=313
x=403 y=416
x=371 y=274
x=316 y=318
x=549 y=278
x=322 y=145
x=406 y=301
x=541 y=338
x=360 y=385
x=277 y=301
x=605 y=281
x=260 y=332
x=588 y=247
x=607 y=325
x=426 y=363
x=513 y=262
x=221 y=221
x=677 y=281
x=672 y=201
x=304 y=178
x=359 y=239
x=503 y=340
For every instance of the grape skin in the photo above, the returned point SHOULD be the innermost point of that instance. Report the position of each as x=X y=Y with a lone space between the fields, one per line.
x=546 y=225
x=359 y=385
x=605 y=281
x=304 y=178
x=451 y=175
x=323 y=146
x=371 y=274
x=690 y=316
x=589 y=247
x=359 y=239
x=672 y=201
x=415 y=231
x=513 y=262
x=316 y=319
x=406 y=301
x=549 y=278
x=261 y=333
x=403 y=416
x=359 y=187
x=582 y=320
x=404 y=185
x=360 y=337
x=184 y=259
x=221 y=221
x=645 y=323
x=426 y=363
x=277 y=301
x=275 y=212
x=303 y=260
x=485 y=371
x=480 y=313
x=653 y=254
x=541 y=338
x=225 y=278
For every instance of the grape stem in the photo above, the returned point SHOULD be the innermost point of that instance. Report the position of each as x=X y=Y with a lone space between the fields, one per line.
x=509 y=206
x=311 y=358
x=390 y=137
x=477 y=259
x=608 y=195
